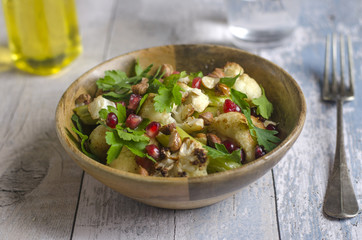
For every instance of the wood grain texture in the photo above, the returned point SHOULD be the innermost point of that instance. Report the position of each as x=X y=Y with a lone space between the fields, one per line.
x=39 y=183
x=301 y=179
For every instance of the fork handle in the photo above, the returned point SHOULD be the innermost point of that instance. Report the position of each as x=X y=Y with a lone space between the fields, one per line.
x=340 y=200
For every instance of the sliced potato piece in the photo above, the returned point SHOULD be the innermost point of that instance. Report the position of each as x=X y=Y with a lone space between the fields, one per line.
x=125 y=161
x=97 y=142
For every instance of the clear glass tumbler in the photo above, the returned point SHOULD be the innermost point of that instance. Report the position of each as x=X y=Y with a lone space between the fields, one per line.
x=43 y=34
x=262 y=21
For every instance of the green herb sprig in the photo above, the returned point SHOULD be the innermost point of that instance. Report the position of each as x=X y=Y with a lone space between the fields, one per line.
x=264 y=137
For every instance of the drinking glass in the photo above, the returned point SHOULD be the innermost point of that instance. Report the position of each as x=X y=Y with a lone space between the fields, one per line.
x=262 y=22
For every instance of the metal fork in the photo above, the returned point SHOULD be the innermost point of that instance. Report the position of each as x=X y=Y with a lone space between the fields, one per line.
x=340 y=200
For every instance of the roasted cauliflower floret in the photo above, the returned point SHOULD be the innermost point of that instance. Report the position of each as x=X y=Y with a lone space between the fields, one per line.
x=98 y=104
x=195 y=97
x=125 y=161
x=182 y=112
x=231 y=69
x=192 y=158
x=244 y=83
x=234 y=125
x=167 y=168
x=148 y=111
x=248 y=85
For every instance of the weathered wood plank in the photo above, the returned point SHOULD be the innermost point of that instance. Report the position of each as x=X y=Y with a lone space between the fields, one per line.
x=39 y=183
x=249 y=214
x=301 y=178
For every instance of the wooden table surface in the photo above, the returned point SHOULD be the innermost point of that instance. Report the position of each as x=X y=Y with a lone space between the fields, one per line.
x=45 y=195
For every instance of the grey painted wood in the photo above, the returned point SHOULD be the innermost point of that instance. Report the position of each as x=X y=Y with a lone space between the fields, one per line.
x=39 y=184
x=301 y=178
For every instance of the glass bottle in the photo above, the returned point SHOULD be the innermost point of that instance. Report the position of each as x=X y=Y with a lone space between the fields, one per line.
x=43 y=34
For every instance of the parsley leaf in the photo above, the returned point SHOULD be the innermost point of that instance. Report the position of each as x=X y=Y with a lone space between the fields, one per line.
x=221 y=160
x=197 y=74
x=176 y=93
x=116 y=146
x=139 y=71
x=76 y=121
x=229 y=81
x=264 y=137
x=117 y=97
x=169 y=93
x=117 y=139
x=143 y=99
x=113 y=80
x=131 y=135
x=163 y=101
x=117 y=85
x=83 y=137
x=120 y=112
x=264 y=107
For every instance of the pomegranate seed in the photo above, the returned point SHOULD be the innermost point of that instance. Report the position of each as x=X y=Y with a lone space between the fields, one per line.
x=133 y=121
x=152 y=129
x=134 y=100
x=112 y=120
x=153 y=151
x=259 y=151
x=271 y=127
x=230 y=146
x=243 y=157
x=230 y=106
x=196 y=83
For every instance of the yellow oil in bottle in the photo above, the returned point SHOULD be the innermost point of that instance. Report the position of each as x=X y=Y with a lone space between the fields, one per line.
x=43 y=34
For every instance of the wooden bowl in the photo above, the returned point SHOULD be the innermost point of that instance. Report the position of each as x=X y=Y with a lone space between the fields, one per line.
x=185 y=193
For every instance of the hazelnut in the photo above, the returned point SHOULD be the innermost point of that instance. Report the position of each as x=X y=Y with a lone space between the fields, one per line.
x=208 y=117
x=167 y=70
x=212 y=139
x=141 y=88
x=175 y=141
x=217 y=73
x=222 y=89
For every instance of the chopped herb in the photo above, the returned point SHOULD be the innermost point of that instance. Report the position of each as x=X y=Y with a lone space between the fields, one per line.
x=264 y=107
x=229 y=81
x=169 y=93
x=221 y=160
x=264 y=137
x=79 y=131
x=143 y=99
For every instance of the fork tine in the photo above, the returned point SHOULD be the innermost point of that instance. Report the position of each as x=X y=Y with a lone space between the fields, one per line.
x=351 y=66
x=326 y=87
x=334 y=64
x=342 y=60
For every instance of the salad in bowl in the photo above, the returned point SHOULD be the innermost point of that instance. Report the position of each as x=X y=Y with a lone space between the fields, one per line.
x=174 y=123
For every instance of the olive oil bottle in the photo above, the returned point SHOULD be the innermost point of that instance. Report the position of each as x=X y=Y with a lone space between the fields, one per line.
x=43 y=34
